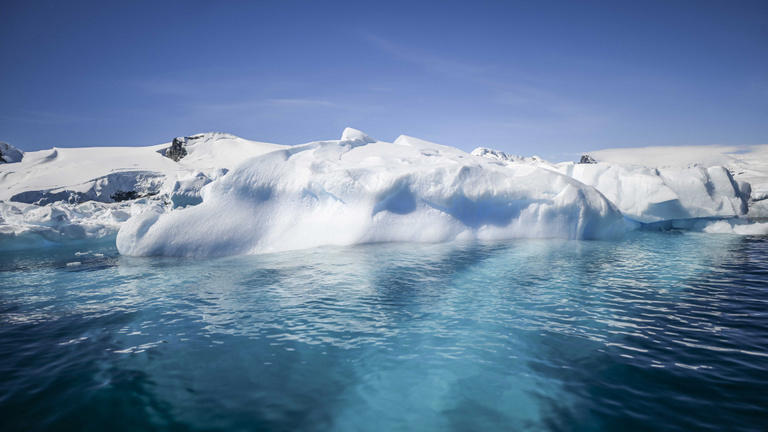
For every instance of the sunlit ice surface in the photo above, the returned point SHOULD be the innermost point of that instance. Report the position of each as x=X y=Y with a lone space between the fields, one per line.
x=662 y=331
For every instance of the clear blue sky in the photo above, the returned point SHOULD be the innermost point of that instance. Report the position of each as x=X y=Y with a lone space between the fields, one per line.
x=550 y=78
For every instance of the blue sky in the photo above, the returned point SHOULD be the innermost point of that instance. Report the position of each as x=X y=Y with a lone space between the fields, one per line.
x=548 y=78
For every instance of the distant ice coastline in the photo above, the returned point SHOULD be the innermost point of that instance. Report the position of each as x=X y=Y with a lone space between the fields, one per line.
x=217 y=194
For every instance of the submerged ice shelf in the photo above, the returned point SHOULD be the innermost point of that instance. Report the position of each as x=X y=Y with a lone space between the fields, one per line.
x=217 y=194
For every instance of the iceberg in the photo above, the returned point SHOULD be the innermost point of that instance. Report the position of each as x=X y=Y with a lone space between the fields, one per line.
x=216 y=194
x=73 y=193
x=654 y=192
x=648 y=195
x=359 y=190
x=748 y=166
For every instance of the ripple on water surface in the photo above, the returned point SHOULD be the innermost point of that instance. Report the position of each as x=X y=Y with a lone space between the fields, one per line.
x=661 y=331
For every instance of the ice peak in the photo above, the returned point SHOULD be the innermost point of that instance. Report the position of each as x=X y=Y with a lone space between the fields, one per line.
x=351 y=134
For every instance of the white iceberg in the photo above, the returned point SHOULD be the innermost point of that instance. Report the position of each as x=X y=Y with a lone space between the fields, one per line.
x=358 y=190
x=71 y=193
x=747 y=164
x=649 y=195
x=218 y=194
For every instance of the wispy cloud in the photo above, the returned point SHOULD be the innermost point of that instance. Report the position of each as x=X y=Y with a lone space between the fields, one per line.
x=431 y=62
x=44 y=117
x=301 y=102
x=526 y=98
x=536 y=101
x=256 y=105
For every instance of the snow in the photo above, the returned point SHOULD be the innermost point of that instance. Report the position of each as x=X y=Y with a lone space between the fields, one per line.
x=79 y=169
x=227 y=195
x=661 y=183
x=506 y=157
x=63 y=221
x=728 y=227
x=749 y=164
x=655 y=194
x=76 y=188
x=358 y=190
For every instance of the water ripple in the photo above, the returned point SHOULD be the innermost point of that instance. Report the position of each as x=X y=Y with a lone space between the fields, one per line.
x=662 y=332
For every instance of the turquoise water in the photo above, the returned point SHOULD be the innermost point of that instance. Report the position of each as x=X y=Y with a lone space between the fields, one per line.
x=662 y=331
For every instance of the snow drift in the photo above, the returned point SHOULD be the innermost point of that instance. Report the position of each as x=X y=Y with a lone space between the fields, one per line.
x=358 y=190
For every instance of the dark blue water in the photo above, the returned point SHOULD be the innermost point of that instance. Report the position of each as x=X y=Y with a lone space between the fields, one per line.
x=661 y=331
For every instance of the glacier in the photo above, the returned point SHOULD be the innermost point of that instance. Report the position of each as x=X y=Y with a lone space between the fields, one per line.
x=216 y=194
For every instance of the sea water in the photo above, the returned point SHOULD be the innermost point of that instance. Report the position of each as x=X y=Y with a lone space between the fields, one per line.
x=660 y=331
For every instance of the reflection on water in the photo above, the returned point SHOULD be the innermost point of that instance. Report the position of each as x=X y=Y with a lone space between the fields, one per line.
x=663 y=331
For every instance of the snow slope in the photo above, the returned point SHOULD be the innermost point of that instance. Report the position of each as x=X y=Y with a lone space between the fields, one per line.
x=82 y=169
x=358 y=190
x=76 y=189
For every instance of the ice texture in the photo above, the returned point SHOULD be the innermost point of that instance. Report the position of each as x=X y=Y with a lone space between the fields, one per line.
x=648 y=194
x=747 y=164
x=222 y=195
x=358 y=190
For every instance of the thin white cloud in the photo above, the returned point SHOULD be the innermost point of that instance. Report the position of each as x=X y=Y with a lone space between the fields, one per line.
x=268 y=103
x=44 y=117
x=427 y=61
x=301 y=102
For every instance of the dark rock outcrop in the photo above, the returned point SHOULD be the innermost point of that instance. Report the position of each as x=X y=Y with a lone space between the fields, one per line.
x=587 y=159
x=177 y=149
x=9 y=153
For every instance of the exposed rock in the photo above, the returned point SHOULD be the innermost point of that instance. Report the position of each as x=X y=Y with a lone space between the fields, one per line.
x=177 y=149
x=9 y=153
x=125 y=196
x=587 y=159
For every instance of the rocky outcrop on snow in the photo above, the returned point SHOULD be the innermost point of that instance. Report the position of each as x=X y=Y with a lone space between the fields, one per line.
x=9 y=153
x=177 y=150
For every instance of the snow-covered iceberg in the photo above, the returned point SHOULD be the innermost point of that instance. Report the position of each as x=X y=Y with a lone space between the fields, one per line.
x=359 y=190
x=218 y=194
x=657 y=194
x=648 y=193
x=748 y=166
x=72 y=193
